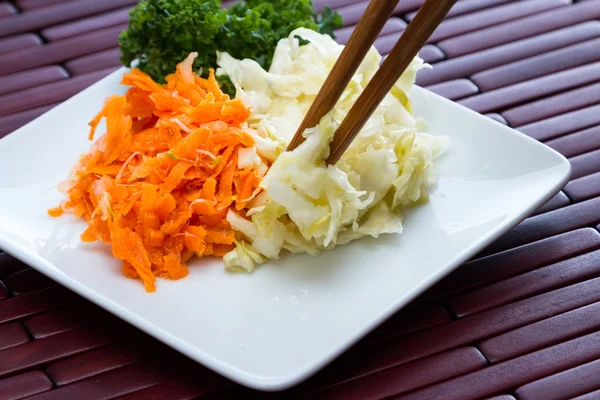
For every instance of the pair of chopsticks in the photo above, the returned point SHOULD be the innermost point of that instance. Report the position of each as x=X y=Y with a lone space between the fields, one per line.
x=375 y=16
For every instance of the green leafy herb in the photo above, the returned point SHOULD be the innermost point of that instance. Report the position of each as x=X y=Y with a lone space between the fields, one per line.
x=217 y=161
x=162 y=33
x=111 y=211
x=226 y=85
x=172 y=156
x=329 y=21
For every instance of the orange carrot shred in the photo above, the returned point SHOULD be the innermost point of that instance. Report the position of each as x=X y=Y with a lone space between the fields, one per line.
x=174 y=268
x=208 y=189
x=215 y=236
x=89 y=235
x=129 y=271
x=220 y=250
x=158 y=185
x=194 y=239
x=55 y=212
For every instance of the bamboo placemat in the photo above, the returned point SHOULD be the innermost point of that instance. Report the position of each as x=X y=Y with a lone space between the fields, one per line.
x=521 y=320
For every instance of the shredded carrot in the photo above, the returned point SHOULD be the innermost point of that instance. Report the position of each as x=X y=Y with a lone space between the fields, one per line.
x=158 y=185
x=55 y=212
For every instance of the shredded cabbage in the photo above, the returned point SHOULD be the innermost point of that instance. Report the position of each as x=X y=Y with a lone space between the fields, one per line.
x=311 y=206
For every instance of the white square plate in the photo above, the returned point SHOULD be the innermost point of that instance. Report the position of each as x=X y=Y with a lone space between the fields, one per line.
x=275 y=327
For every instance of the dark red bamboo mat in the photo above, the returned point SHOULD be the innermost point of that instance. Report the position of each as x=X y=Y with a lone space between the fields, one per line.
x=520 y=321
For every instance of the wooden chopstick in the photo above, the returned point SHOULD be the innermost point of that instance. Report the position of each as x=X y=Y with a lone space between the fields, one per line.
x=361 y=40
x=414 y=37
